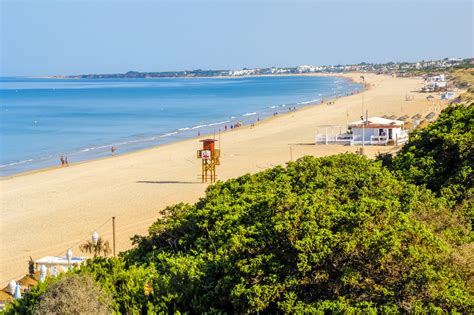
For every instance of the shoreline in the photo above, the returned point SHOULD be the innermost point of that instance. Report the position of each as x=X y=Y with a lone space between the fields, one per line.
x=262 y=119
x=59 y=208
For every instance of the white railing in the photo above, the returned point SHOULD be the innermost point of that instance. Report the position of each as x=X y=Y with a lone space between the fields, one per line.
x=338 y=139
x=349 y=139
x=378 y=140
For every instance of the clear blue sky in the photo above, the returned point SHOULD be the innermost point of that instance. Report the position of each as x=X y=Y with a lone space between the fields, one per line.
x=71 y=37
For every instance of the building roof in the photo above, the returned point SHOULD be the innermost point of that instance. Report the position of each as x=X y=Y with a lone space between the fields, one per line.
x=208 y=140
x=59 y=260
x=27 y=281
x=377 y=122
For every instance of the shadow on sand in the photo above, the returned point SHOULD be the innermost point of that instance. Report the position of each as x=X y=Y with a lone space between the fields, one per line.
x=165 y=182
x=310 y=143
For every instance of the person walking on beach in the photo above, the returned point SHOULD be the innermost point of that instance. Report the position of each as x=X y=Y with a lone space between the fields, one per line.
x=65 y=161
x=113 y=150
x=62 y=160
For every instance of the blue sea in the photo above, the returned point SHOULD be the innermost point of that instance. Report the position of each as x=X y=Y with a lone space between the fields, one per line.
x=42 y=119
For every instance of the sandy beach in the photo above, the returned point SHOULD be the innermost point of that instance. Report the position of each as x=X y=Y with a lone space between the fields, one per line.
x=46 y=212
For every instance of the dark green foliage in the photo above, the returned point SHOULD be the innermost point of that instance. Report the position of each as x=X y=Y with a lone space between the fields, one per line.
x=329 y=234
x=441 y=156
x=130 y=286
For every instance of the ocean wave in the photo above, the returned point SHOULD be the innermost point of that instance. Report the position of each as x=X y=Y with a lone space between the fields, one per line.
x=198 y=126
x=168 y=134
x=309 y=102
x=218 y=123
x=16 y=163
x=250 y=114
x=184 y=129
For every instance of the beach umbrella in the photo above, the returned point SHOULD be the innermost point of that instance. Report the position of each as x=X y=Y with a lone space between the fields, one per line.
x=17 y=294
x=430 y=116
x=69 y=256
x=5 y=296
x=43 y=272
x=423 y=123
x=27 y=281
x=54 y=271
x=12 y=286
x=95 y=238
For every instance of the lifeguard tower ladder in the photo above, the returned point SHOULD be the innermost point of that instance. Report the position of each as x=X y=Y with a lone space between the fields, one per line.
x=210 y=157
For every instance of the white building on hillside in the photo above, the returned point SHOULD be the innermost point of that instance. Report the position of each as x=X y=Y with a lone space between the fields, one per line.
x=435 y=83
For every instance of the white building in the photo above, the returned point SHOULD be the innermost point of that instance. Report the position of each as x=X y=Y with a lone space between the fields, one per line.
x=306 y=68
x=245 y=72
x=374 y=131
x=378 y=131
x=435 y=83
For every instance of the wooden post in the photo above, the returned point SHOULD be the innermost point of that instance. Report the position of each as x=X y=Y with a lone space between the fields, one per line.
x=203 y=170
x=113 y=234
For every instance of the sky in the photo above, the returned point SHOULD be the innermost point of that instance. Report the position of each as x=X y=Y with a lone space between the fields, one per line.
x=77 y=37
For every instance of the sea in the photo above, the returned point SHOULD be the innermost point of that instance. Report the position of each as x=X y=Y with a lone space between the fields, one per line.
x=42 y=119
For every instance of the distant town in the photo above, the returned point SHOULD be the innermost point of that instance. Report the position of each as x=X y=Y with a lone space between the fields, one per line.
x=393 y=68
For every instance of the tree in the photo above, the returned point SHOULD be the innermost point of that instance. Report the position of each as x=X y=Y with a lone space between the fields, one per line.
x=441 y=156
x=102 y=247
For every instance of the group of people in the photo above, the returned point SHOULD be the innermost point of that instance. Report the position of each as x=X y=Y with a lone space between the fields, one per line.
x=233 y=126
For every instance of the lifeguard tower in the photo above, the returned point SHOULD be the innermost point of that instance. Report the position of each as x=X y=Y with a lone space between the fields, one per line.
x=209 y=156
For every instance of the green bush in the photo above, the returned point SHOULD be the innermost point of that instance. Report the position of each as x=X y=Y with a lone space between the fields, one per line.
x=441 y=156
x=68 y=294
x=330 y=234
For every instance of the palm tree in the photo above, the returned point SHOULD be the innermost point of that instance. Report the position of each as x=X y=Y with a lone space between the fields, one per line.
x=96 y=249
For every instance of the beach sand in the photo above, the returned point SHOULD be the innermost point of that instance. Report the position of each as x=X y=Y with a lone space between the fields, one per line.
x=46 y=212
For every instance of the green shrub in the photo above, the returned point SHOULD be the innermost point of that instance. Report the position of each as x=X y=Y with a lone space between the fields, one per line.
x=323 y=234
